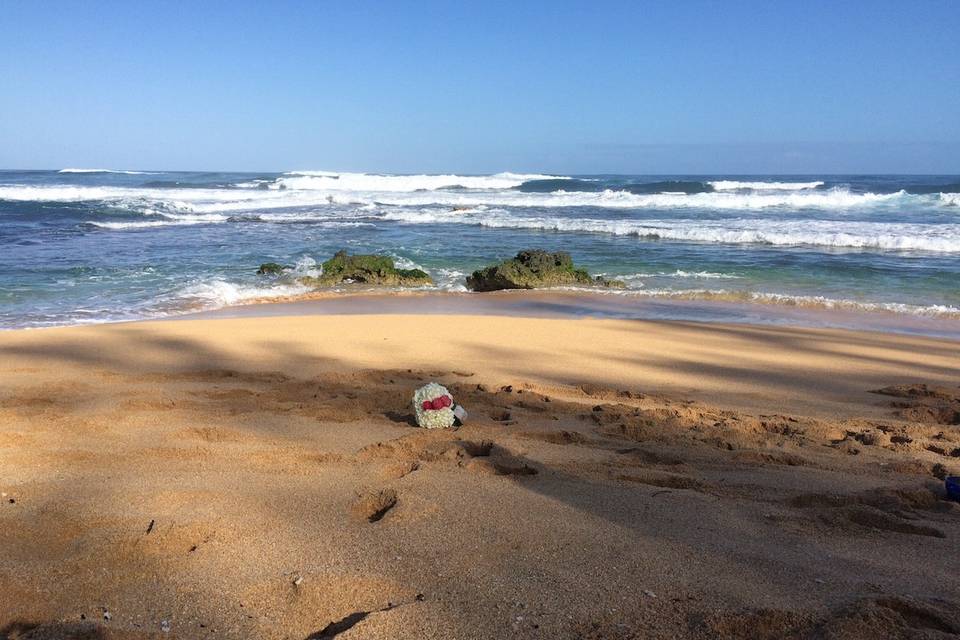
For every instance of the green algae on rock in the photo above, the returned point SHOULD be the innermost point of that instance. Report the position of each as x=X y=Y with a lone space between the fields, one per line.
x=271 y=269
x=534 y=269
x=366 y=269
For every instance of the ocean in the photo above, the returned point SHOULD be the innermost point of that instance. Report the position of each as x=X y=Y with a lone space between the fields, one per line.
x=87 y=245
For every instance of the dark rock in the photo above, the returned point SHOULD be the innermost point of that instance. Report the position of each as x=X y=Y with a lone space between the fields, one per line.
x=533 y=269
x=271 y=269
x=366 y=269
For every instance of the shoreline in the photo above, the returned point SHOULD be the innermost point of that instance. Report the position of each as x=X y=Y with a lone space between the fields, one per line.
x=565 y=303
x=559 y=303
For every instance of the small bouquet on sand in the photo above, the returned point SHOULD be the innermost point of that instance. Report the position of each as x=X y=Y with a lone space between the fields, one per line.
x=434 y=408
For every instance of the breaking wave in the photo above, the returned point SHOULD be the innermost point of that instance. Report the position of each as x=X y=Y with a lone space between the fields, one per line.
x=220 y=293
x=735 y=185
x=211 y=200
x=871 y=243
x=944 y=238
x=333 y=181
x=832 y=199
x=129 y=173
x=950 y=199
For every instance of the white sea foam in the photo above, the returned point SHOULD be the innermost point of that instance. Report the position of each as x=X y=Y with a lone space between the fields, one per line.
x=405 y=263
x=333 y=181
x=943 y=238
x=147 y=224
x=168 y=207
x=189 y=201
x=174 y=221
x=679 y=273
x=227 y=200
x=63 y=193
x=950 y=199
x=780 y=299
x=130 y=173
x=220 y=293
x=707 y=275
x=806 y=301
x=307 y=266
x=933 y=310
x=449 y=279
x=830 y=199
x=734 y=185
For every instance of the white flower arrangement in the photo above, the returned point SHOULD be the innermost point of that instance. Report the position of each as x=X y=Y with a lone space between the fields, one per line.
x=433 y=406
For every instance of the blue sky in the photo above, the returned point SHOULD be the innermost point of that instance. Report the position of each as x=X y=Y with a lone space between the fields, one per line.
x=592 y=87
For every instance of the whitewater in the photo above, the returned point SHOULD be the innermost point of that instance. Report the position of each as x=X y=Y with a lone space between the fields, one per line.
x=91 y=245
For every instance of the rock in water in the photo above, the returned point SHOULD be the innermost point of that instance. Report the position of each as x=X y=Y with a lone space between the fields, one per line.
x=270 y=269
x=366 y=269
x=533 y=269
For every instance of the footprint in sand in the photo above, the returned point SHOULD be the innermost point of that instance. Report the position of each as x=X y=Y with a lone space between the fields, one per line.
x=374 y=505
x=894 y=511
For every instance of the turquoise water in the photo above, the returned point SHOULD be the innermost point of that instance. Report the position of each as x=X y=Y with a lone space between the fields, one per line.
x=79 y=246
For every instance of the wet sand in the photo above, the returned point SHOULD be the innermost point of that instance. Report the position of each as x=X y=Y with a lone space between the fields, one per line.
x=259 y=477
x=559 y=303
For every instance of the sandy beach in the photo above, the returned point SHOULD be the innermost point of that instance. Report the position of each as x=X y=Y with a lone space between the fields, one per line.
x=260 y=477
x=460 y=321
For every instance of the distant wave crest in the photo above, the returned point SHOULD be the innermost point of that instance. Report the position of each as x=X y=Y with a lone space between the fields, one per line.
x=735 y=185
x=129 y=173
x=332 y=181
x=214 y=199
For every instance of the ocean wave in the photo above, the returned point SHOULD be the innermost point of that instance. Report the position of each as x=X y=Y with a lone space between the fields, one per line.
x=191 y=200
x=950 y=199
x=803 y=301
x=595 y=185
x=321 y=222
x=334 y=181
x=146 y=224
x=449 y=279
x=940 y=311
x=679 y=273
x=225 y=200
x=405 y=263
x=549 y=185
x=736 y=185
x=129 y=173
x=944 y=238
x=670 y=187
x=619 y=199
x=64 y=193
x=218 y=293
x=307 y=266
x=186 y=220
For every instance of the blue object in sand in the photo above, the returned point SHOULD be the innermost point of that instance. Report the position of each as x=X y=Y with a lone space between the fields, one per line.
x=953 y=488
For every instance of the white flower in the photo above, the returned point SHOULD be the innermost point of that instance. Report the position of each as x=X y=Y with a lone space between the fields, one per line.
x=441 y=418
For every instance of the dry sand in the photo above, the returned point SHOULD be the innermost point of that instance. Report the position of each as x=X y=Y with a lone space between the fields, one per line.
x=260 y=478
